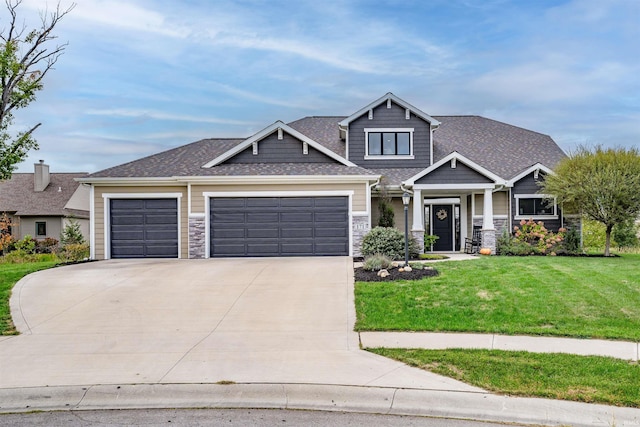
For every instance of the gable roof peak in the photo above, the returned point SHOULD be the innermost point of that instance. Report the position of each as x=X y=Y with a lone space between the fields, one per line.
x=276 y=126
x=386 y=98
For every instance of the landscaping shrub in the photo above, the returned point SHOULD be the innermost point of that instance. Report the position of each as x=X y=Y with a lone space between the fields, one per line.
x=75 y=252
x=46 y=246
x=593 y=234
x=572 y=242
x=387 y=241
x=538 y=238
x=377 y=262
x=27 y=245
x=386 y=214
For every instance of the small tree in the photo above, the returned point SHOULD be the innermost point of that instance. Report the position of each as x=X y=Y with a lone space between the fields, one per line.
x=603 y=184
x=385 y=208
x=6 y=239
x=71 y=234
x=24 y=61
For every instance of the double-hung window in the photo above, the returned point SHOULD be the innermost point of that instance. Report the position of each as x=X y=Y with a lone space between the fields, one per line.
x=389 y=143
x=535 y=206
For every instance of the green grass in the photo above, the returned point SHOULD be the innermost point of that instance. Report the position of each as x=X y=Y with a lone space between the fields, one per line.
x=590 y=379
x=557 y=296
x=10 y=274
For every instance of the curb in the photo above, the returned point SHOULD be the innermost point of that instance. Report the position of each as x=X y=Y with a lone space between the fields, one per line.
x=319 y=397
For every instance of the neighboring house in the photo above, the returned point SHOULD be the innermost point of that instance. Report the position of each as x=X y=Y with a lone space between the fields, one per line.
x=40 y=204
x=309 y=187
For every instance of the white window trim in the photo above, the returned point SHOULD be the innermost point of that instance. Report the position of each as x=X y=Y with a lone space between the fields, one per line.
x=208 y=195
x=107 y=210
x=535 y=196
x=368 y=156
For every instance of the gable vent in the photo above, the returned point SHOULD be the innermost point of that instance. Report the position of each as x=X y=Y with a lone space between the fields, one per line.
x=255 y=148
x=453 y=163
x=407 y=114
x=388 y=102
x=371 y=114
x=305 y=148
x=280 y=134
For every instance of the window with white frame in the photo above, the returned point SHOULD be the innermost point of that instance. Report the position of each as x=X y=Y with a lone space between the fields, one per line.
x=391 y=143
x=535 y=206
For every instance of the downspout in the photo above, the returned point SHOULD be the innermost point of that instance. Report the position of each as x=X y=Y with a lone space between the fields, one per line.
x=370 y=194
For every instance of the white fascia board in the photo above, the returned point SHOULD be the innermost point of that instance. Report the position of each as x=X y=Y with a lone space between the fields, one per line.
x=383 y=99
x=459 y=158
x=277 y=179
x=463 y=187
x=129 y=181
x=268 y=131
x=530 y=169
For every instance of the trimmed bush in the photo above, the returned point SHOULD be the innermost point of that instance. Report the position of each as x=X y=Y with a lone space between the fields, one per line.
x=377 y=262
x=75 y=252
x=48 y=245
x=387 y=241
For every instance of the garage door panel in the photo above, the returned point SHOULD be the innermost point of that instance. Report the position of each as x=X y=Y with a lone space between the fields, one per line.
x=144 y=228
x=331 y=232
x=227 y=203
x=296 y=202
x=127 y=234
x=161 y=219
x=262 y=249
x=297 y=233
x=262 y=202
x=228 y=233
x=293 y=217
x=297 y=249
x=261 y=218
x=227 y=218
x=333 y=202
x=337 y=217
x=126 y=204
x=263 y=233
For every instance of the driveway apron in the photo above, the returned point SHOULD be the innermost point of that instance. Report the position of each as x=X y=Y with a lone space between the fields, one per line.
x=271 y=320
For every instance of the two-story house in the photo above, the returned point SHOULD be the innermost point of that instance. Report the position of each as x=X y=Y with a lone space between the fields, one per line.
x=309 y=188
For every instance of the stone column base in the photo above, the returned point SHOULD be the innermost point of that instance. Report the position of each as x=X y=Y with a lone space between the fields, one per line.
x=359 y=228
x=489 y=240
x=418 y=236
x=196 y=237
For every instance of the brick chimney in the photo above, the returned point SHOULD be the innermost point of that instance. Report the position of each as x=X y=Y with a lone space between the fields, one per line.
x=41 y=176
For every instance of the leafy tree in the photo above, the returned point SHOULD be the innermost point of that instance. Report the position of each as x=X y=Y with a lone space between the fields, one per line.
x=625 y=234
x=603 y=185
x=25 y=59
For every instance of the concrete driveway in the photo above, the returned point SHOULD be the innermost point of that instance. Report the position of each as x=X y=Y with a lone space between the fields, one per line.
x=276 y=320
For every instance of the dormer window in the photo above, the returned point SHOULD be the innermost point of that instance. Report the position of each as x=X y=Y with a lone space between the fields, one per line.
x=389 y=143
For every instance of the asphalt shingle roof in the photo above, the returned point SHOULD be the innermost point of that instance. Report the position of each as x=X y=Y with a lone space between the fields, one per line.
x=503 y=149
x=17 y=195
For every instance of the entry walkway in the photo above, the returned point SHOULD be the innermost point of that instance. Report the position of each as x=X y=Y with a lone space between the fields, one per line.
x=439 y=341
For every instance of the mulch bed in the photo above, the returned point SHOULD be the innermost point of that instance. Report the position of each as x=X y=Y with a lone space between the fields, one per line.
x=362 y=275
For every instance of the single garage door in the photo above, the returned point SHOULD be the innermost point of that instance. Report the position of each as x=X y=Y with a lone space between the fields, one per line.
x=143 y=228
x=279 y=226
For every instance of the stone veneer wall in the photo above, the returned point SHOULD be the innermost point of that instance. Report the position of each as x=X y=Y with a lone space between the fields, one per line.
x=419 y=238
x=500 y=225
x=197 y=237
x=360 y=227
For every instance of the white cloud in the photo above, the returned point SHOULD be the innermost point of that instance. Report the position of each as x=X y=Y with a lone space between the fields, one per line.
x=160 y=115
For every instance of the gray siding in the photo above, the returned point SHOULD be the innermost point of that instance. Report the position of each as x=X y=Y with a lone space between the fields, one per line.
x=393 y=117
x=286 y=150
x=528 y=185
x=462 y=174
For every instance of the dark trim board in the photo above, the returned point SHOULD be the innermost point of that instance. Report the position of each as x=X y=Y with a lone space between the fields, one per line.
x=279 y=226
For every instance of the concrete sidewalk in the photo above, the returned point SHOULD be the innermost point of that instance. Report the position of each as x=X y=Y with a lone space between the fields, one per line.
x=437 y=341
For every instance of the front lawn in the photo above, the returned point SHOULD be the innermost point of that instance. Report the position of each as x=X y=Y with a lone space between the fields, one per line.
x=560 y=296
x=10 y=274
x=557 y=376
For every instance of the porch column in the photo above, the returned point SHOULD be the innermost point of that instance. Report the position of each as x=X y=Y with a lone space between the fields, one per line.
x=417 y=227
x=488 y=229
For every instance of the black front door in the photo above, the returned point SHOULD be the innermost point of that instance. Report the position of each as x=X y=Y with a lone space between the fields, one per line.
x=442 y=226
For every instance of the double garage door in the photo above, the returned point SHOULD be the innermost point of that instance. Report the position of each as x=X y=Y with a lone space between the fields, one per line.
x=239 y=227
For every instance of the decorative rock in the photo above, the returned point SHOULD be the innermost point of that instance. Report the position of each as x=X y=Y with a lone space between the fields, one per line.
x=383 y=273
x=408 y=269
x=401 y=269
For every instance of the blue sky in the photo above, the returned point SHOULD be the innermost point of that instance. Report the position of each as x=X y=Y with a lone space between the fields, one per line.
x=142 y=76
